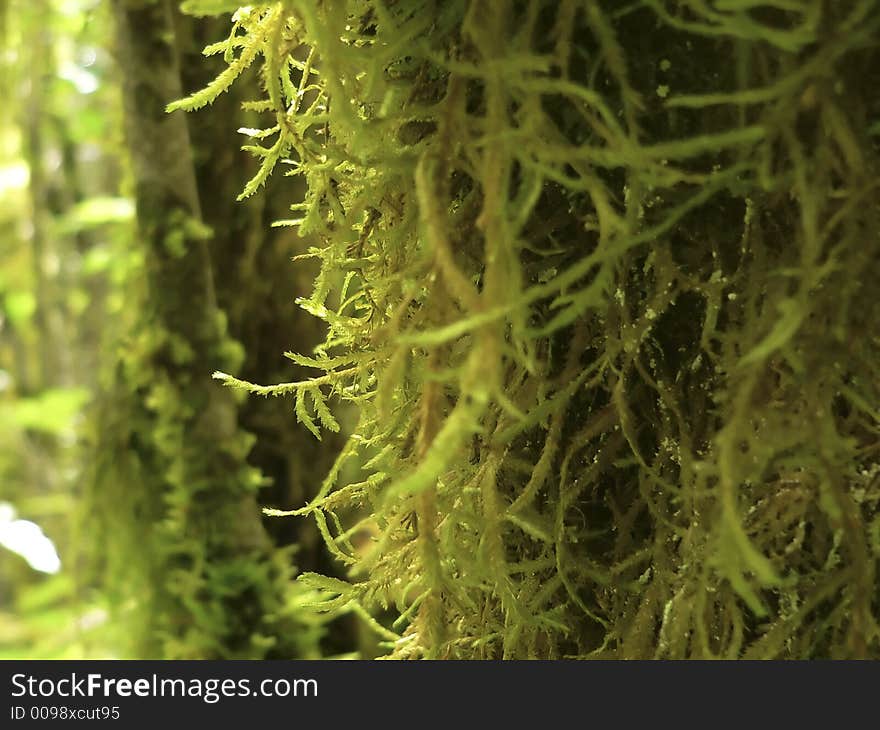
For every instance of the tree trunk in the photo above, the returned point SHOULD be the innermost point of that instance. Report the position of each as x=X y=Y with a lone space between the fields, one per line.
x=172 y=478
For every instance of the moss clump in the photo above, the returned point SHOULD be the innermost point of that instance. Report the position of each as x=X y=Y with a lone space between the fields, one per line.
x=599 y=279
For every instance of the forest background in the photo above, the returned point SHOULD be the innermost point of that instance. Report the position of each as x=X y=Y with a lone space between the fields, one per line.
x=73 y=277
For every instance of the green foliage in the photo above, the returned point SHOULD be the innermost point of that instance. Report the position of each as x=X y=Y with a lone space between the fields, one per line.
x=95 y=212
x=52 y=411
x=48 y=622
x=60 y=214
x=599 y=279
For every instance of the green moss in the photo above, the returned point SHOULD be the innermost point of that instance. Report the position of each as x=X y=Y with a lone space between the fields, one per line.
x=614 y=350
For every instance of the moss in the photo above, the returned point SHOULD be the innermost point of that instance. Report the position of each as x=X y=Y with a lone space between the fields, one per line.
x=173 y=497
x=614 y=351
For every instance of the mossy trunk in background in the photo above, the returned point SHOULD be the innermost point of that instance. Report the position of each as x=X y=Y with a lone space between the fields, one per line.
x=186 y=547
x=256 y=283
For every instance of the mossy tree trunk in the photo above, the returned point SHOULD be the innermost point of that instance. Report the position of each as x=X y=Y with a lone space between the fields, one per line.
x=255 y=280
x=594 y=277
x=256 y=283
x=172 y=475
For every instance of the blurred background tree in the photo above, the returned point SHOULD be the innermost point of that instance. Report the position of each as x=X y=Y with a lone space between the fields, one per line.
x=114 y=442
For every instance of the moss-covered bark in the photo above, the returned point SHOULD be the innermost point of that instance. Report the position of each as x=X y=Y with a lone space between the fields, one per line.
x=255 y=280
x=190 y=557
x=598 y=278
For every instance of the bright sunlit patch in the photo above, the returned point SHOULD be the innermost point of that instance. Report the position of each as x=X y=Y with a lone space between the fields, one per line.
x=88 y=56
x=14 y=177
x=28 y=540
x=85 y=81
